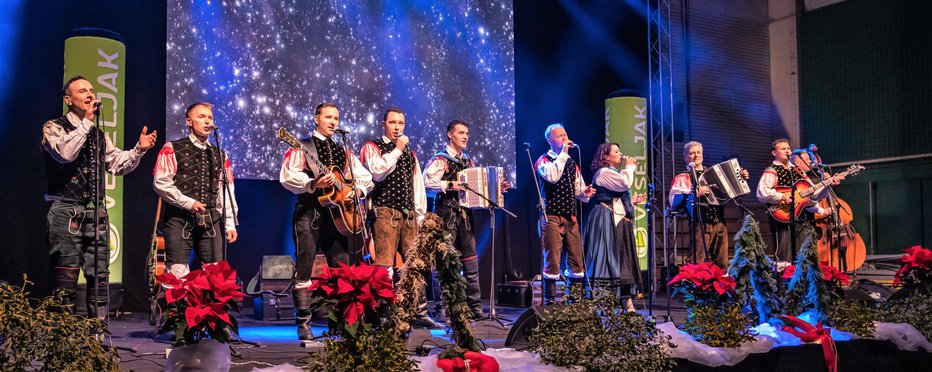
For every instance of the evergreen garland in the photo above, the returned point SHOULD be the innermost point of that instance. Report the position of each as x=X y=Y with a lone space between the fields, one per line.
x=433 y=245
x=806 y=288
x=454 y=298
x=413 y=277
x=753 y=269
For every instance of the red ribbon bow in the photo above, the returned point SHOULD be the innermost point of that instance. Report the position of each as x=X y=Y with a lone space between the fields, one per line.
x=815 y=334
x=474 y=362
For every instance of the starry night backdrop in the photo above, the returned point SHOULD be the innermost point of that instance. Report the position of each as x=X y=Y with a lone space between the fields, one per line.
x=266 y=66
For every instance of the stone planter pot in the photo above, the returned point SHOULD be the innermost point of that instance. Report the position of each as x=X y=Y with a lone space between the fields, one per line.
x=206 y=355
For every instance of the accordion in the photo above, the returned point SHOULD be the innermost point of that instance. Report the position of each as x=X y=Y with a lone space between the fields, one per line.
x=483 y=180
x=724 y=179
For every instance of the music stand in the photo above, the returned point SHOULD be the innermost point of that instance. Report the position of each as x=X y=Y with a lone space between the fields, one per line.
x=492 y=207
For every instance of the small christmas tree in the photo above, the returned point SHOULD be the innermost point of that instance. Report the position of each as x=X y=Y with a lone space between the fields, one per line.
x=807 y=289
x=752 y=268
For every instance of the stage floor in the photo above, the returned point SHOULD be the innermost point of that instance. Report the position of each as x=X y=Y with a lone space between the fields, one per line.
x=278 y=344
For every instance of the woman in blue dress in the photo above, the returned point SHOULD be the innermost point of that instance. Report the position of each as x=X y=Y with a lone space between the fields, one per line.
x=611 y=256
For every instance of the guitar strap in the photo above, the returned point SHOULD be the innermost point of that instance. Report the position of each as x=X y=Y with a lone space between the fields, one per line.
x=312 y=151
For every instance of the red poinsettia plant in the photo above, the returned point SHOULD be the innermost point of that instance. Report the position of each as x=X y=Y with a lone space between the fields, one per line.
x=359 y=295
x=704 y=282
x=830 y=274
x=914 y=270
x=199 y=302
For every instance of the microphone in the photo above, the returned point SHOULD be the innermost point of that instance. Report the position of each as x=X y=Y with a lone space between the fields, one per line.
x=569 y=144
x=527 y=146
x=97 y=108
x=211 y=127
x=341 y=131
x=97 y=104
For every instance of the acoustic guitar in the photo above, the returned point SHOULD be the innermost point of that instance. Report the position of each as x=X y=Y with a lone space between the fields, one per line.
x=803 y=195
x=337 y=198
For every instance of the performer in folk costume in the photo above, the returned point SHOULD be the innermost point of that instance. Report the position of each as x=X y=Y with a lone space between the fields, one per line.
x=611 y=254
x=75 y=164
x=314 y=228
x=188 y=178
x=784 y=173
x=563 y=185
x=712 y=234
x=398 y=200
x=440 y=181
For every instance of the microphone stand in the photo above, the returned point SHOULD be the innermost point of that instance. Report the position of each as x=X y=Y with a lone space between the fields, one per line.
x=99 y=170
x=99 y=155
x=226 y=193
x=697 y=214
x=492 y=207
x=541 y=208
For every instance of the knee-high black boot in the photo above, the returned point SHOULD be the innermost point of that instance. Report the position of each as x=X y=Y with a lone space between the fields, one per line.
x=97 y=303
x=550 y=291
x=473 y=291
x=66 y=280
x=302 y=305
x=576 y=289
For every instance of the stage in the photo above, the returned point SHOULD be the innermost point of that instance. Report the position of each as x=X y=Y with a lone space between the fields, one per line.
x=278 y=345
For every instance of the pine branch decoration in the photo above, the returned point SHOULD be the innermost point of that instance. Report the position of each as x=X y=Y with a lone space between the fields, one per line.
x=753 y=272
x=806 y=288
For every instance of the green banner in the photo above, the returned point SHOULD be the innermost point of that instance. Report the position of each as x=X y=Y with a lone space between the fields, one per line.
x=626 y=125
x=102 y=61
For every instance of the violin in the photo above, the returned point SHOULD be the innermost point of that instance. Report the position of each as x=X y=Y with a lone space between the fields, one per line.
x=839 y=243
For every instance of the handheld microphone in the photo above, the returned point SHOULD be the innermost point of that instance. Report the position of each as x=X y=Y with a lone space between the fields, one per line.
x=97 y=104
x=341 y=131
x=569 y=144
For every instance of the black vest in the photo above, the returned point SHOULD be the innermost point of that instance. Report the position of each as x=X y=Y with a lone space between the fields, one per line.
x=450 y=198
x=198 y=172
x=604 y=195
x=710 y=213
x=788 y=177
x=74 y=181
x=397 y=189
x=330 y=154
x=561 y=196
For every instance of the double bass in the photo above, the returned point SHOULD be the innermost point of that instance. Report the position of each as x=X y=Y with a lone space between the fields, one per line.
x=839 y=243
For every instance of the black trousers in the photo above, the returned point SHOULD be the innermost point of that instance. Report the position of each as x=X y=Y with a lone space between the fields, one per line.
x=314 y=231
x=184 y=231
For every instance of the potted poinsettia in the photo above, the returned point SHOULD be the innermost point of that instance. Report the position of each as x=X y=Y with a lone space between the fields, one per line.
x=835 y=280
x=715 y=316
x=915 y=267
x=198 y=309
x=360 y=301
x=703 y=283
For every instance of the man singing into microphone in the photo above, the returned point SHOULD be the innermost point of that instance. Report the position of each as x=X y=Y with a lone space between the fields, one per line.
x=712 y=234
x=188 y=177
x=75 y=164
x=564 y=184
x=398 y=199
x=313 y=224
x=783 y=173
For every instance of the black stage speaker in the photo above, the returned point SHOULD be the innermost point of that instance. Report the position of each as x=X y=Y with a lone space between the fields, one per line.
x=514 y=294
x=869 y=291
x=519 y=335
